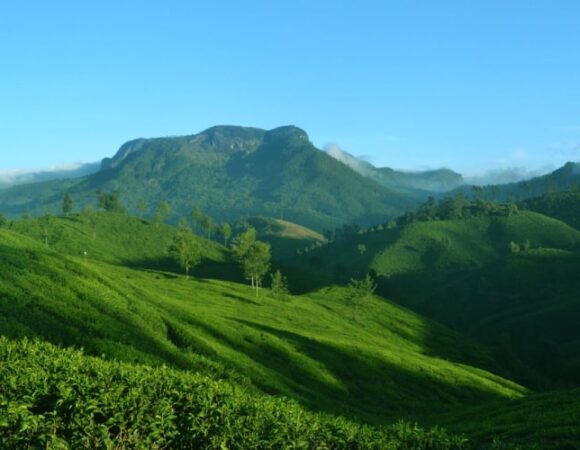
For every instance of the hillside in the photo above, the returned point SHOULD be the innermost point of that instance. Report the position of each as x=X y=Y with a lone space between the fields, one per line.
x=508 y=281
x=62 y=399
x=564 y=206
x=390 y=364
x=536 y=422
x=229 y=172
x=415 y=184
x=438 y=245
x=286 y=238
x=565 y=178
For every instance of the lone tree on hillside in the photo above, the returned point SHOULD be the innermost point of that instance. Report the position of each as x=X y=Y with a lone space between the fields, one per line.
x=226 y=232
x=67 y=204
x=358 y=292
x=50 y=231
x=279 y=286
x=184 y=250
x=254 y=257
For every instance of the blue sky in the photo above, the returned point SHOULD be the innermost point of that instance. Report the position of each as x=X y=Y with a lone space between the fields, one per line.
x=471 y=85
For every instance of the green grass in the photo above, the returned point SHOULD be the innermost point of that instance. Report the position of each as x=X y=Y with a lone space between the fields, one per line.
x=61 y=399
x=391 y=363
x=286 y=238
x=439 y=245
x=540 y=421
x=121 y=303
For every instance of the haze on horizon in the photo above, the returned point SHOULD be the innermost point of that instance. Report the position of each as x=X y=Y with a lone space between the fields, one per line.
x=483 y=88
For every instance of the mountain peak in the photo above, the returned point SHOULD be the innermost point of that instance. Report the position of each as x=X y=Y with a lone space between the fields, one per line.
x=286 y=133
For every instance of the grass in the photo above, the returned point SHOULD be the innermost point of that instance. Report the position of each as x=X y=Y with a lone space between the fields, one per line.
x=392 y=363
x=61 y=399
x=127 y=302
x=539 y=421
x=286 y=238
x=438 y=245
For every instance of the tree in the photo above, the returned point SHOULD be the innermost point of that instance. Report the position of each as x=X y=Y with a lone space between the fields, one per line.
x=279 y=286
x=253 y=256
x=163 y=210
x=50 y=232
x=243 y=242
x=358 y=292
x=101 y=199
x=67 y=204
x=361 y=248
x=514 y=247
x=197 y=217
x=226 y=232
x=3 y=220
x=256 y=263
x=184 y=249
x=110 y=202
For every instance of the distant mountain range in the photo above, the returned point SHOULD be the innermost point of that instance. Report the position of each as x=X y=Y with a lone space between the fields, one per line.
x=229 y=172
x=440 y=180
x=234 y=172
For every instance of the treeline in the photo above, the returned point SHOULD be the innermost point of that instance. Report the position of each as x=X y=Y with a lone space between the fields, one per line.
x=458 y=207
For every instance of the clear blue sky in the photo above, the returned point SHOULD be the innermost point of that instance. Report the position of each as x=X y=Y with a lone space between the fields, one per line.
x=472 y=85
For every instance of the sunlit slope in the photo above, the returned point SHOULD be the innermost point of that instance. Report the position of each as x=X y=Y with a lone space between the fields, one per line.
x=440 y=245
x=286 y=238
x=388 y=364
x=111 y=237
x=53 y=398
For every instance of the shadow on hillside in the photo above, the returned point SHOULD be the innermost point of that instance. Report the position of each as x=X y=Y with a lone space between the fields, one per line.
x=226 y=271
x=344 y=380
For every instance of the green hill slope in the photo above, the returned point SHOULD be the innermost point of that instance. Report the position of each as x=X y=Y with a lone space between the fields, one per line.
x=229 y=172
x=438 y=245
x=53 y=398
x=539 y=421
x=464 y=273
x=564 y=206
x=390 y=364
x=286 y=238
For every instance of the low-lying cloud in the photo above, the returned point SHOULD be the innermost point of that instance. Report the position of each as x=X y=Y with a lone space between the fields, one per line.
x=505 y=176
x=13 y=177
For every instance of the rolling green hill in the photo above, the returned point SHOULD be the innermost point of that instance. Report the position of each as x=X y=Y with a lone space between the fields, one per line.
x=389 y=364
x=564 y=206
x=521 y=299
x=286 y=238
x=229 y=172
x=53 y=398
x=438 y=245
x=539 y=421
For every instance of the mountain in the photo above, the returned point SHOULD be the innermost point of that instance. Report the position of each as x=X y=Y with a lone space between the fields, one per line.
x=16 y=177
x=229 y=172
x=412 y=183
x=565 y=178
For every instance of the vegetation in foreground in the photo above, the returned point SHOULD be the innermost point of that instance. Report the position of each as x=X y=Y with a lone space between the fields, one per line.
x=61 y=399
